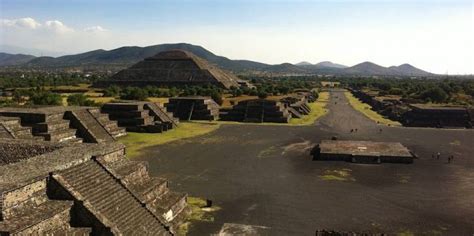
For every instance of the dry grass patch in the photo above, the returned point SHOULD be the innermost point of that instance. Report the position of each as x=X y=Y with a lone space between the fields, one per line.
x=135 y=142
x=366 y=109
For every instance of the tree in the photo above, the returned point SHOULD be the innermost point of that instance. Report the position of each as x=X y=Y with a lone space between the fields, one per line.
x=134 y=93
x=79 y=100
x=216 y=96
x=434 y=94
x=45 y=98
x=262 y=94
x=112 y=91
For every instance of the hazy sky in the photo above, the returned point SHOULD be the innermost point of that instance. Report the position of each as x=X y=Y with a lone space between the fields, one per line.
x=433 y=35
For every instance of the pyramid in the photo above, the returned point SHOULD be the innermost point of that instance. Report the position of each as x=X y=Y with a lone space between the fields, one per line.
x=174 y=68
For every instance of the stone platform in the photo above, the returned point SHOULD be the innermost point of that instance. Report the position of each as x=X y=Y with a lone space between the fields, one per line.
x=258 y=111
x=362 y=152
x=193 y=108
x=82 y=189
x=141 y=116
x=58 y=124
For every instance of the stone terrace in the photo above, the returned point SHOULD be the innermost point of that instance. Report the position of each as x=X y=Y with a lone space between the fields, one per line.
x=193 y=108
x=82 y=189
x=258 y=111
x=140 y=116
x=62 y=124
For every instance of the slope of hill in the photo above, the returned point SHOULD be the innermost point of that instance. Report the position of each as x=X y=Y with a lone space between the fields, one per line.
x=368 y=68
x=7 y=59
x=123 y=57
x=328 y=64
x=285 y=68
x=129 y=55
x=409 y=70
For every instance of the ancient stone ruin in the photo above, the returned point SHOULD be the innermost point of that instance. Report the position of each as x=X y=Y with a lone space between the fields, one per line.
x=413 y=114
x=193 y=108
x=258 y=111
x=297 y=105
x=173 y=68
x=141 y=116
x=59 y=124
x=362 y=152
x=422 y=115
x=57 y=189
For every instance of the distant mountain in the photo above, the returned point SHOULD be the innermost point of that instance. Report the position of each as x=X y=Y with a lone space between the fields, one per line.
x=14 y=59
x=303 y=63
x=126 y=56
x=123 y=57
x=328 y=64
x=285 y=68
x=368 y=68
x=407 y=69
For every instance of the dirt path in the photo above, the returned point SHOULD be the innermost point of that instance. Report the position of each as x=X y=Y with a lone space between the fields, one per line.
x=263 y=175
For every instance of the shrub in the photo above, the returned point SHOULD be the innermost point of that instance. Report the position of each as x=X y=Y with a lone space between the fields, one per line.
x=45 y=98
x=79 y=100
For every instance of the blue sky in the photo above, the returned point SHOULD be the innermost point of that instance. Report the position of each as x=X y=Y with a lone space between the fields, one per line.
x=433 y=35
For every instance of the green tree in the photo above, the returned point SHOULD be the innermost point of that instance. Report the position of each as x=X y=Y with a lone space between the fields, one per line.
x=79 y=100
x=45 y=98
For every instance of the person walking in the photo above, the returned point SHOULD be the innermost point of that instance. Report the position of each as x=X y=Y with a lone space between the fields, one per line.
x=438 y=155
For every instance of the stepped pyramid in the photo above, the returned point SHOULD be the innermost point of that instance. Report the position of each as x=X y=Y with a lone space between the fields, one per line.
x=82 y=189
x=174 y=68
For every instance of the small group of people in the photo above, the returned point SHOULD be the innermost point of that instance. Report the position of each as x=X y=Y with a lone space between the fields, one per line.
x=353 y=130
x=438 y=155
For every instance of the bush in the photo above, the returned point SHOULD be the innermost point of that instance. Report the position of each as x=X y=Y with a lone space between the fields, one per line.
x=112 y=91
x=262 y=94
x=216 y=96
x=434 y=94
x=45 y=98
x=79 y=100
x=134 y=93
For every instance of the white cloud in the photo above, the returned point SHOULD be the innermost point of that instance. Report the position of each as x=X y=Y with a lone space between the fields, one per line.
x=94 y=29
x=28 y=23
x=57 y=26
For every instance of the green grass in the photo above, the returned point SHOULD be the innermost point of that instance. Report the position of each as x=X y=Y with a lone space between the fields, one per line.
x=199 y=213
x=366 y=109
x=135 y=142
x=318 y=109
x=337 y=175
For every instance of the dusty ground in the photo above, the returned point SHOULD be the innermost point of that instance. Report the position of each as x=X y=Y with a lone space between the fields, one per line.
x=263 y=175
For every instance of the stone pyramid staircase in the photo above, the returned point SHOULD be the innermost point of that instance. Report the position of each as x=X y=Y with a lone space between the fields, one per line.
x=160 y=113
x=55 y=128
x=168 y=206
x=88 y=126
x=110 y=125
x=10 y=127
x=27 y=210
x=109 y=201
x=139 y=116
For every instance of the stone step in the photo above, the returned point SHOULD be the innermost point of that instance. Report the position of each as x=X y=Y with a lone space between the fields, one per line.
x=168 y=206
x=50 y=126
x=44 y=217
x=129 y=171
x=108 y=200
x=149 y=189
x=124 y=122
x=70 y=231
x=59 y=135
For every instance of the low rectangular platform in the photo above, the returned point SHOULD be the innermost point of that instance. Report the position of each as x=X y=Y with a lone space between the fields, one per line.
x=362 y=152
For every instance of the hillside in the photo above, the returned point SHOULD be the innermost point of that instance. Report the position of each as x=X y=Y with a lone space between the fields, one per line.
x=123 y=57
x=14 y=59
